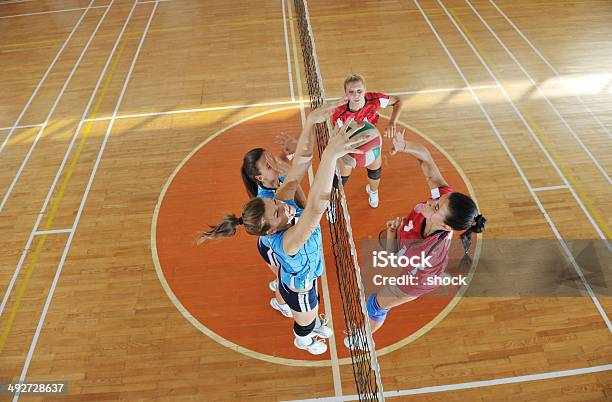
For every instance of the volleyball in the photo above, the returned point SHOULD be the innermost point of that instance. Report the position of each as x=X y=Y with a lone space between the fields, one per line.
x=371 y=148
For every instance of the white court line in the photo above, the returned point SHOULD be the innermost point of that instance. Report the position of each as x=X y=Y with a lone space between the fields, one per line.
x=518 y=168
x=60 y=169
x=83 y=201
x=44 y=77
x=333 y=352
x=48 y=232
x=474 y=384
x=549 y=188
x=14 y=1
x=528 y=127
x=554 y=70
x=25 y=126
x=65 y=10
x=209 y=109
x=552 y=106
x=287 y=51
x=57 y=100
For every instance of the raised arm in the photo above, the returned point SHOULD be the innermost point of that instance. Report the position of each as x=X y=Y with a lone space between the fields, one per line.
x=430 y=169
x=396 y=102
x=302 y=158
x=318 y=199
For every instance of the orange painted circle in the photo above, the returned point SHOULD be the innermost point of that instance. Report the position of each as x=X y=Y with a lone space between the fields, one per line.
x=222 y=286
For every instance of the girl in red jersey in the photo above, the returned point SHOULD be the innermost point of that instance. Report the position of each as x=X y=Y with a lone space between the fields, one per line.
x=364 y=106
x=426 y=231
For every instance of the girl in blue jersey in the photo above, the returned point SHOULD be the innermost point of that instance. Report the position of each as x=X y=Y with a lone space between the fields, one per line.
x=261 y=173
x=297 y=245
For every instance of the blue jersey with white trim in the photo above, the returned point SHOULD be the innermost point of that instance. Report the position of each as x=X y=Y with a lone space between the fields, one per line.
x=299 y=270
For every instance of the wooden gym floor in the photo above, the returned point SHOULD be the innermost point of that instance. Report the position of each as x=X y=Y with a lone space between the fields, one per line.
x=122 y=126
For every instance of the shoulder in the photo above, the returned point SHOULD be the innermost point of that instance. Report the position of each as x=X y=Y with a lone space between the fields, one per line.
x=440 y=191
x=378 y=98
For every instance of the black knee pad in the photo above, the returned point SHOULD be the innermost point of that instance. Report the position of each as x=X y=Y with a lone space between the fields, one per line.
x=304 y=330
x=375 y=174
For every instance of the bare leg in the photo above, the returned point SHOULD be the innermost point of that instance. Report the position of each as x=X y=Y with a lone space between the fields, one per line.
x=388 y=298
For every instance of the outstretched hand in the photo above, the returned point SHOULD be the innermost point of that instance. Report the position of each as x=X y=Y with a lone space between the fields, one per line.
x=394 y=224
x=324 y=112
x=276 y=164
x=288 y=144
x=340 y=142
x=399 y=143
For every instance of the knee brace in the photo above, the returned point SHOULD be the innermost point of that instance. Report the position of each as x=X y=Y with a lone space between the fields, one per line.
x=375 y=312
x=304 y=330
x=375 y=174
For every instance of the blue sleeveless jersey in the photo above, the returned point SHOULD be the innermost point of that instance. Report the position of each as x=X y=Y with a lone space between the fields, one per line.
x=298 y=271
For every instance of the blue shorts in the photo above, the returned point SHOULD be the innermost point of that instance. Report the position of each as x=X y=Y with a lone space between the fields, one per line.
x=267 y=254
x=300 y=301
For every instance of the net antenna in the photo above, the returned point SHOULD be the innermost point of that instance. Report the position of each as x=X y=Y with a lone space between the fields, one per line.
x=363 y=354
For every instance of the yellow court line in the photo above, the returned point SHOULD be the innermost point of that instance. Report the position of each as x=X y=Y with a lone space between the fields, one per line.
x=39 y=246
x=536 y=129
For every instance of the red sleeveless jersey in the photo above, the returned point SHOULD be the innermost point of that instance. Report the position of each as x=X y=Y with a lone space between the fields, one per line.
x=412 y=242
x=374 y=101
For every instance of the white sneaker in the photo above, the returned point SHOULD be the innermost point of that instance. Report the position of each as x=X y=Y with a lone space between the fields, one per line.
x=373 y=199
x=273 y=285
x=282 y=308
x=317 y=346
x=351 y=343
x=322 y=330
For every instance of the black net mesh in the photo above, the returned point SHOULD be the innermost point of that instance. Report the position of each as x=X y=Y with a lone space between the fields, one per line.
x=365 y=366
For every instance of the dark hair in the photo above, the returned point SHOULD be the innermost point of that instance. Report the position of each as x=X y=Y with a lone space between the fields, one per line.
x=249 y=170
x=464 y=215
x=252 y=218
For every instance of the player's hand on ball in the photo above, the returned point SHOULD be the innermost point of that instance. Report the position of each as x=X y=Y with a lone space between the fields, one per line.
x=340 y=142
x=399 y=143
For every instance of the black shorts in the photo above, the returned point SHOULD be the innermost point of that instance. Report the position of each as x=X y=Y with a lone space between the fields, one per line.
x=267 y=254
x=300 y=301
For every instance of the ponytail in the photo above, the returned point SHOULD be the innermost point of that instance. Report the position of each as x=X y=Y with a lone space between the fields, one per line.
x=226 y=228
x=252 y=218
x=249 y=170
x=466 y=239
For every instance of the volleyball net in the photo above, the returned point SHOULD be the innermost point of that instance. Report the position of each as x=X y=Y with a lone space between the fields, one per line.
x=363 y=355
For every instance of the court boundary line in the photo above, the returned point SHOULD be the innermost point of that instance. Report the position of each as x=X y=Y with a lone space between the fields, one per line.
x=57 y=175
x=537 y=87
x=84 y=200
x=289 y=72
x=65 y=10
x=549 y=188
x=521 y=115
x=521 y=173
x=44 y=77
x=53 y=107
x=282 y=103
x=475 y=384
x=552 y=68
x=53 y=231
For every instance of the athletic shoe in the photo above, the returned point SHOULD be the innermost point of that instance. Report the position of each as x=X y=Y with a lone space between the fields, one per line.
x=282 y=308
x=273 y=285
x=373 y=199
x=317 y=346
x=351 y=343
x=321 y=329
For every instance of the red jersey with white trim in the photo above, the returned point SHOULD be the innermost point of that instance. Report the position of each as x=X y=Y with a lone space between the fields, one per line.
x=412 y=242
x=374 y=101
